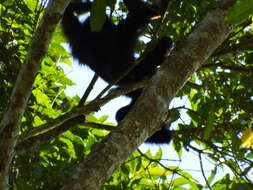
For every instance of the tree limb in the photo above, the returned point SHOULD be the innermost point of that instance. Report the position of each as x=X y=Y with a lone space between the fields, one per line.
x=81 y=110
x=151 y=108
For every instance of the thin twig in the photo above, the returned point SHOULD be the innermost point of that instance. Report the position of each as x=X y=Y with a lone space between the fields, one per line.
x=88 y=90
x=202 y=171
x=99 y=126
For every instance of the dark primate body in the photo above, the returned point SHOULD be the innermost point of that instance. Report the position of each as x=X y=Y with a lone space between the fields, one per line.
x=110 y=52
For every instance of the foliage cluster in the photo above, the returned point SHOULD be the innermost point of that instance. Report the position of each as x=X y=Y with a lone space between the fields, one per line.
x=220 y=94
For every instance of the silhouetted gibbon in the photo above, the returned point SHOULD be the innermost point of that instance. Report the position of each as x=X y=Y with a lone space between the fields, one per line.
x=110 y=52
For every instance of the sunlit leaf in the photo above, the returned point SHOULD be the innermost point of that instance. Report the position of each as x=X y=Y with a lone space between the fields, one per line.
x=241 y=11
x=247 y=138
x=98 y=15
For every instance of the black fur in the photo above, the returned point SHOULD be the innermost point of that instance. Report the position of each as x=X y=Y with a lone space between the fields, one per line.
x=110 y=51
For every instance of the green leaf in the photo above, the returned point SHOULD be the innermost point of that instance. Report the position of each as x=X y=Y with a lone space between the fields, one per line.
x=31 y=4
x=74 y=137
x=212 y=175
x=180 y=181
x=125 y=169
x=240 y=11
x=103 y=118
x=159 y=171
x=91 y=118
x=158 y=154
x=98 y=12
x=69 y=147
x=41 y=98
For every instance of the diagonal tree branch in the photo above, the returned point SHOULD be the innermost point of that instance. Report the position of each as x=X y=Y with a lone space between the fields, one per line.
x=30 y=140
x=244 y=45
x=34 y=141
x=151 y=108
x=94 y=106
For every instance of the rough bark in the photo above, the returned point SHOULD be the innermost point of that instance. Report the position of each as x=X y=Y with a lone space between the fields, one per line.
x=10 y=124
x=151 y=108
